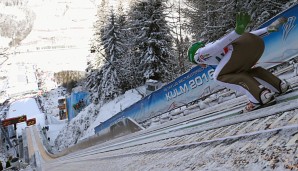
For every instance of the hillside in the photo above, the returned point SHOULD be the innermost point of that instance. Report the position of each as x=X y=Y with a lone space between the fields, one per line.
x=16 y=21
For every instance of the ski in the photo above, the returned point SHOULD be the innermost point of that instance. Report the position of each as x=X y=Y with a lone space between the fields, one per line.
x=284 y=103
x=289 y=95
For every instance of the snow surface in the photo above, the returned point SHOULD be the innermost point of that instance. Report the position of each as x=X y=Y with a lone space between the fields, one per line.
x=15 y=12
x=26 y=107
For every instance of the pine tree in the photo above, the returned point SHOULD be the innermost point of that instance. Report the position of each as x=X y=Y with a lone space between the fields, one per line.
x=153 y=40
x=110 y=85
x=208 y=20
x=127 y=68
x=98 y=31
x=94 y=74
x=261 y=11
x=181 y=40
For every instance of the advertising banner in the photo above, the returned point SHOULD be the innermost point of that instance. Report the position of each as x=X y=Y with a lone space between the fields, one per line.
x=281 y=46
x=75 y=103
x=15 y=120
x=30 y=122
x=196 y=83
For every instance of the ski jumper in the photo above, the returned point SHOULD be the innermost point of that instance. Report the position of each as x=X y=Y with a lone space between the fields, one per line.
x=235 y=55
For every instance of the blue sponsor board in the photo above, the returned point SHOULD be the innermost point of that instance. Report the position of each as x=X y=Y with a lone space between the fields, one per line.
x=198 y=82
x=75 y=99
x=282 y=45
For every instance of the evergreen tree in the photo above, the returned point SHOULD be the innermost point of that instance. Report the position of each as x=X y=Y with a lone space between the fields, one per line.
x=181 y=40
x=208 y=20
x=128 y=68
x=99 y=31
x=261 y=11
x=92 y=82
x=110 y=85
x=153 y=40
x=184 y=45
x=135 y=38
x=94 y=74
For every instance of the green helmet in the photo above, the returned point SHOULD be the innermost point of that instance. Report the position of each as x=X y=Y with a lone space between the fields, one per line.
x=192 y=51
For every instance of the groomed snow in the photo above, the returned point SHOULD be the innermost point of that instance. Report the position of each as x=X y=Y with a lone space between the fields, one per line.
x=26 y=107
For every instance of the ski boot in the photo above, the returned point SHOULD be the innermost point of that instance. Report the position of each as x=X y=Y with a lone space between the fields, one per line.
x=284 y=87
x=267 y=99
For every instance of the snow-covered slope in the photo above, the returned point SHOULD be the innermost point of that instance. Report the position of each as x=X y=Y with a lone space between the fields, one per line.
x=82 y=126
x=26 y=107
x=61 y=23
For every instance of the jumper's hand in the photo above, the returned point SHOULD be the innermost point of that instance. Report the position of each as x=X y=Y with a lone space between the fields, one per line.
x=242 y=20
x=273 y=27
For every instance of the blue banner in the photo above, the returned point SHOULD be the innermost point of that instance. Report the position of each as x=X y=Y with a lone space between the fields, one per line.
x=198 y=82
x=281 y=46
x=75 y=103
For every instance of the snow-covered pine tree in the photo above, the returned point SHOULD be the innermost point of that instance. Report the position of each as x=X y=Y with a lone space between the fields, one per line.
x=208 y=20
x=94 y=74
x=127 y=67
x=181 y=39
x=110 y=85
x=261 y=11
x=101 y=15
x=152 y=39
x=134 y=39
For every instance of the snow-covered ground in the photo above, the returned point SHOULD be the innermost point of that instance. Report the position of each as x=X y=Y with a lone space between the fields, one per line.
x=28 y=107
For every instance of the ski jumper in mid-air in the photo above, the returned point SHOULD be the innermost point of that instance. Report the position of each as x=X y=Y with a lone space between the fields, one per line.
x=235 y=55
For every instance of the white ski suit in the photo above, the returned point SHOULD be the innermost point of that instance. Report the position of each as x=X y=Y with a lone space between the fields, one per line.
x=235 y=56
